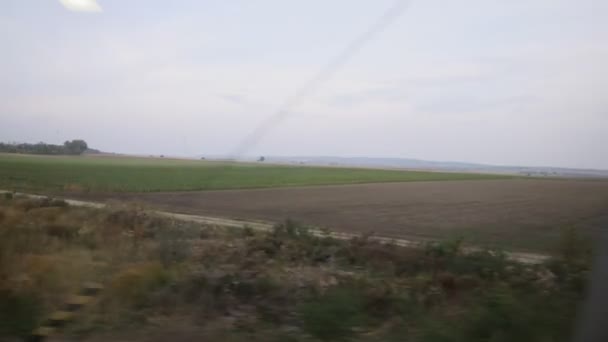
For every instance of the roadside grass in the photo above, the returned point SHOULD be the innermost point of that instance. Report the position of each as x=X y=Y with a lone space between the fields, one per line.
x=131 y=174
x=282 y=285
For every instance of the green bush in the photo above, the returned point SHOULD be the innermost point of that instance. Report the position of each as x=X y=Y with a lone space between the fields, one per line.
x=291 y=229
x=334 y=315
x=19 y=313
x=502 y=316
x=485 y=264
x=445 y=249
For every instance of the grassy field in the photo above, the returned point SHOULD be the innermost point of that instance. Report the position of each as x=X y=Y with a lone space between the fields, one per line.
x=130 y=174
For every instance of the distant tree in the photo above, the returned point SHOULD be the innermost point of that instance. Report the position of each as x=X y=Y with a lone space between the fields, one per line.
x=69 y=147
x=75 y=147
x=261 y=159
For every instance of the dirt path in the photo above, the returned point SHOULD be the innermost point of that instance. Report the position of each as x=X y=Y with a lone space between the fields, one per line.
x=530 y=258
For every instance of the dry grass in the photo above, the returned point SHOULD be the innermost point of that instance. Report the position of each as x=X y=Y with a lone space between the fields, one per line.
x=172 y=280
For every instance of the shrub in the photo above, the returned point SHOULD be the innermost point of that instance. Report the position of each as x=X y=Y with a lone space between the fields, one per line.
x=133 y=285
x=61 y=231
x=46 y=214
x=291 y=229
x=486 y=264
x=501 y=316
x=332 y=316
x=248 y=231
x=572 y=247
x=445 y=249
x=572 y=261
x=28 y=204
x=19 y=313
x=173 y=245
x=57 y=202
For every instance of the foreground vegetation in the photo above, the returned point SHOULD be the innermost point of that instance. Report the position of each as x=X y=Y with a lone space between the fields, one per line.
x=107 y=174
x=170 y=280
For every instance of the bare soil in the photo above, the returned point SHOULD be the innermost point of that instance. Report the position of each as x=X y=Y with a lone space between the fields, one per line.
x=518 y=213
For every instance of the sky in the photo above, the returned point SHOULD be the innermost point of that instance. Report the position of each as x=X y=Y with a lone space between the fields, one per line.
x=519 y=82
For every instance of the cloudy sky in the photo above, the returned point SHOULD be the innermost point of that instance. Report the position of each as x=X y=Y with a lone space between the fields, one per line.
x=519 y=82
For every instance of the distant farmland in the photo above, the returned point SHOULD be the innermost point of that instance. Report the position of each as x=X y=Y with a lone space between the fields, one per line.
x=525 y=214
x=131 y=174
x=511 y=212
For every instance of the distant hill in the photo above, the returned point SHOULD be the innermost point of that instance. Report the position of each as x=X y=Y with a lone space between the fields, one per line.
x=418 y=164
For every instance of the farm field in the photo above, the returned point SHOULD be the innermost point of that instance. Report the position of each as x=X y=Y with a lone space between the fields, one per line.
x=523 y=214
x=515 y=213
x=131 y=174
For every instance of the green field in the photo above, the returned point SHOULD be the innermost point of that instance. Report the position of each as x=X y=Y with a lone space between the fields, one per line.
x=132 y=174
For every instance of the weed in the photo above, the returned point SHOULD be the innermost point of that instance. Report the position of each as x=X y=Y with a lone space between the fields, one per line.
x=334 y=315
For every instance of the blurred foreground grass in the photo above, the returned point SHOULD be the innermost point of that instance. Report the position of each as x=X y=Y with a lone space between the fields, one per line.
x=173 y=280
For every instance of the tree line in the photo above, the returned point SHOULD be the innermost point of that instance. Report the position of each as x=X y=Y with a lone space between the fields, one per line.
x=74 y=147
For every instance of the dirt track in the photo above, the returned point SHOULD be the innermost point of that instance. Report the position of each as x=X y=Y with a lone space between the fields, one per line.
x=521 y=213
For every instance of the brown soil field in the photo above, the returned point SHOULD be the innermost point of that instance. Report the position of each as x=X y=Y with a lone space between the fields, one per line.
x=526 y=214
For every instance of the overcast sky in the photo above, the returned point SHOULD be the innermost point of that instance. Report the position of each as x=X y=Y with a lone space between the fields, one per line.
x=519 y=82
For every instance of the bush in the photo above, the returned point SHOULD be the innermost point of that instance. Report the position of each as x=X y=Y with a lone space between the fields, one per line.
x=485 y=264
x=32 y=203
x=503 y=314
x=248 y=231
x=332 y=316
x=291 y=229
x=133 y=286
x=502 y=317
x=445 y=249
x=573 y=247
x=19 y=313
x=57 y=202
x=61 y=231
x=572 y=262
x=173 y=245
